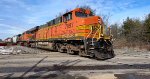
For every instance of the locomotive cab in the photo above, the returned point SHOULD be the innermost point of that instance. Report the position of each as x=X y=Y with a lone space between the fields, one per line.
x=96 y=42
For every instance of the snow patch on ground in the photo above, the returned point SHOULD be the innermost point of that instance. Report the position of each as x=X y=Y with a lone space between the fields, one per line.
x=8 y=50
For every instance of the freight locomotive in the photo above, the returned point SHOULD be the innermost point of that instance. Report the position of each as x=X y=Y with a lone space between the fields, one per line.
x=76 y=32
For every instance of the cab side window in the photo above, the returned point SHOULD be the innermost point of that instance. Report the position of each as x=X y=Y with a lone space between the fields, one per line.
x=58 y=20
x=67 y=17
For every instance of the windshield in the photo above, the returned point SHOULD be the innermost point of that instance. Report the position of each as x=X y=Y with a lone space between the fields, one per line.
x=81 y=14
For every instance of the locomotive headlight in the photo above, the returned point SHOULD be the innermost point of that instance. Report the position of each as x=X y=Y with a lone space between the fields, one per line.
x=102 y=35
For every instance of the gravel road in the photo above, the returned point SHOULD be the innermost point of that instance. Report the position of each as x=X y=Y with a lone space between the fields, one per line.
x=43 y=64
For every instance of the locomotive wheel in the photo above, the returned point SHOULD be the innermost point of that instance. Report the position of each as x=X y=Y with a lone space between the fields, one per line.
x=59 y=48
x=82 y=53
x=69 y=51
x=92 y=55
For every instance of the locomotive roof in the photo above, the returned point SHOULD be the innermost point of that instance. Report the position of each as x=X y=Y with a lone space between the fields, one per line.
x=42 y=26
x=52 y=22
x=33 y=29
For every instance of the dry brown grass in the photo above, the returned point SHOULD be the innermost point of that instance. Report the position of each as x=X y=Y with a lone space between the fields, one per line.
x=121 y=43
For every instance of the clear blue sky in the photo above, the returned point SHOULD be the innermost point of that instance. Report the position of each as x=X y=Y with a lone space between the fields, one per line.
x=17 y=16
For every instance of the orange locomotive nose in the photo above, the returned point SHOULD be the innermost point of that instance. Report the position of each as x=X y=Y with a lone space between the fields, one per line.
x=91 y=20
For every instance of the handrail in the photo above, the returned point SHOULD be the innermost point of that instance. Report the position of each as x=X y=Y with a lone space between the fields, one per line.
x=96 y=33
x=89 y=33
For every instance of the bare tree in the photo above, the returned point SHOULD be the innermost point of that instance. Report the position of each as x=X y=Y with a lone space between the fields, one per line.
x=105 y=18
x=87 y=7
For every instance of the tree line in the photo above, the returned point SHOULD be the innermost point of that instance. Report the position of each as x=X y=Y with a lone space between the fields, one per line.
x=132 y=32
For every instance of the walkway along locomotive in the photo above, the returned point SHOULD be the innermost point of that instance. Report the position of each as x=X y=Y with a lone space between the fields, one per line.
x=75 y=32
